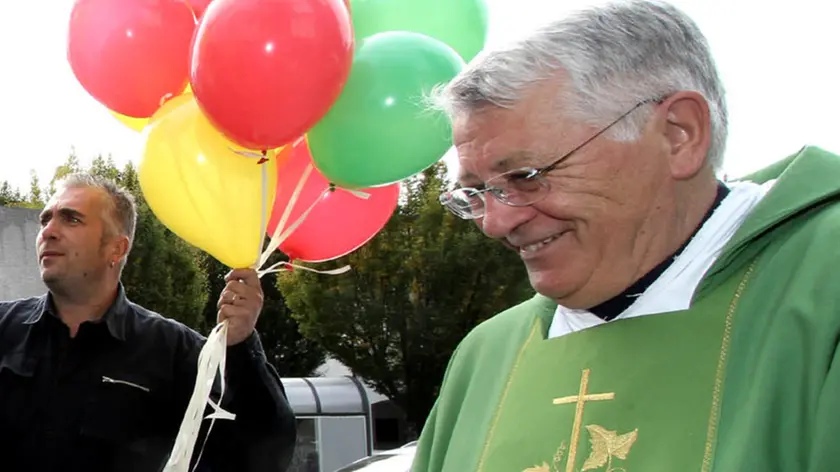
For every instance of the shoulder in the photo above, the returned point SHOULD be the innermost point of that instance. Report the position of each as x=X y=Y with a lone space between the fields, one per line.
x=504 y=333
x=149 y=325
x=14 y=311
x=14 y=316
x=814 y=234
x=799 y=264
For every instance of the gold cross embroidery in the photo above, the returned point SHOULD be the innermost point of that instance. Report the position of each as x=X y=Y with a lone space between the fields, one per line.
x=579 y=400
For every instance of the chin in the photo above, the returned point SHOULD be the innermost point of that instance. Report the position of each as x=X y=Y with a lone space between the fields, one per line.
x=552 y=283
x=49 y=277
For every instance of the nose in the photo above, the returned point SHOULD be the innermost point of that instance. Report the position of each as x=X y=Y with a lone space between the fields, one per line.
x=49 y=231
x=500 y=220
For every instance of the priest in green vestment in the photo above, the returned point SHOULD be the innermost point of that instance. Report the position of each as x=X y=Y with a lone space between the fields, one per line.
x=681 y=323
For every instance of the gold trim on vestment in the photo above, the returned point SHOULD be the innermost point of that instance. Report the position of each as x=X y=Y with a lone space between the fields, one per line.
x=717 y=392
x=504 y=395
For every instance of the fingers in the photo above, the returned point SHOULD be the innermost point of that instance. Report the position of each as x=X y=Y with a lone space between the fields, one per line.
x=247 y=276
x=242 y=289
x=235 y=293
x=232 y=312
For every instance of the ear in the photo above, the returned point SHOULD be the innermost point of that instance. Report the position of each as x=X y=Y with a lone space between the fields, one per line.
x=687 y=133
x=119 y=248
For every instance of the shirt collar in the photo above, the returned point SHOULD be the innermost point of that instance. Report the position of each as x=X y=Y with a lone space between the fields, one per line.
x=114 y=317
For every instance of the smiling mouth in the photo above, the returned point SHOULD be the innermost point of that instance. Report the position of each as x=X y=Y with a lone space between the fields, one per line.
x=532 y=248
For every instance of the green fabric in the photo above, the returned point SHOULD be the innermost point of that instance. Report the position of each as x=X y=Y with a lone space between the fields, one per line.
x=634 y=361
x=777 y=408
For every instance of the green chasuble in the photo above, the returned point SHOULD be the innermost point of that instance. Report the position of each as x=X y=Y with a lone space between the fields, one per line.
x=747 y=379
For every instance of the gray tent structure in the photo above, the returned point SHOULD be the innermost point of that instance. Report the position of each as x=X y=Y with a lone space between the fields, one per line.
x=335 y=424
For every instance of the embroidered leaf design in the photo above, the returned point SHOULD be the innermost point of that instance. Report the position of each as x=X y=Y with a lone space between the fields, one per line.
x=540 y=468
x=599 y=439
x=622 y=444
x=607 y=444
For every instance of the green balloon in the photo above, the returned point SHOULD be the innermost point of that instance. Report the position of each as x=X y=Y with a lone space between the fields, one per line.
x=380 y=129
x=462 y=24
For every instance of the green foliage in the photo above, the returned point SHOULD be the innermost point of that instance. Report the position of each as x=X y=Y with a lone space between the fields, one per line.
x=70 y=166
x=413 y=293
x=286 y=348
x=13 y=197
x=36 y=196
x=10 y=196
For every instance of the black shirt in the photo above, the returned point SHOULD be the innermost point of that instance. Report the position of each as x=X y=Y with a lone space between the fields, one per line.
x=113 y=397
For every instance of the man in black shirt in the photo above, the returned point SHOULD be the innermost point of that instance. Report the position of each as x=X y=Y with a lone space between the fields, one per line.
x=91 y=382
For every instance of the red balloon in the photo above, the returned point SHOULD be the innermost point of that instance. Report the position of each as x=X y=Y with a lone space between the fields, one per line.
x=265 y=71
x=199 y=6
x=131 y=54
x=340 y=222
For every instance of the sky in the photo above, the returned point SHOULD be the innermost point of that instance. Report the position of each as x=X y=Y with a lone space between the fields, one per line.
x=779 y=62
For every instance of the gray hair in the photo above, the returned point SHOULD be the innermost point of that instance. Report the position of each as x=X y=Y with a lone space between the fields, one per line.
x=123 y=211
x=615 y=55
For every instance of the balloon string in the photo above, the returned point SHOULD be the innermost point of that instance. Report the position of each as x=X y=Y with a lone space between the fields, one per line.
x=211 y=360
x=291 y=229
x=218 y=411
x=264 y=210
x=275 y=238
x=283 y=265
x=358 y=193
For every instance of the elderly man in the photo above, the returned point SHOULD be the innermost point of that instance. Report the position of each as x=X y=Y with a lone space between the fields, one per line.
x=92 y=382
x=681 y=324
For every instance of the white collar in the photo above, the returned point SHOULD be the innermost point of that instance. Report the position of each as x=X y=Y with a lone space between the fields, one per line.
x=673 y=290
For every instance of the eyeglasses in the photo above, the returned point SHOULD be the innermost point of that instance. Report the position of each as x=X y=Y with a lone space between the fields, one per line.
x=517 y=188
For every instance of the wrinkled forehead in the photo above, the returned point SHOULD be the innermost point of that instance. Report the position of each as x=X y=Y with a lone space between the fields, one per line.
x=490 y=143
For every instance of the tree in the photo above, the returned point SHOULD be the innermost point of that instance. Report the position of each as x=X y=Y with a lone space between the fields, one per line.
x=36 y=196
x=414 y=292
x=286 y=348
x=10 y=196
x=13 y=197
x=70 y=166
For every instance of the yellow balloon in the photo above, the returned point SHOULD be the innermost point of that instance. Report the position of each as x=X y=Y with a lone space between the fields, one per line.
x=203 y=187
x=137 y=124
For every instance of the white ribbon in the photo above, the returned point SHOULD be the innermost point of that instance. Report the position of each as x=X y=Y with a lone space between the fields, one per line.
x=211 y=361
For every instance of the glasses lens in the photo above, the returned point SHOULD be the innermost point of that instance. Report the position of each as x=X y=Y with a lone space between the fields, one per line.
x=520 y=187
x=465 y=203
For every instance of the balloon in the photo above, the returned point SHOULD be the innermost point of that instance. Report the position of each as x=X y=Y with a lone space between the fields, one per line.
x=379 y=132
x=340 y=222
x=129 y=54
x=199 y=6
x=137 y=124
x=462 y=24
x=201 y=189
x=265 y=71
